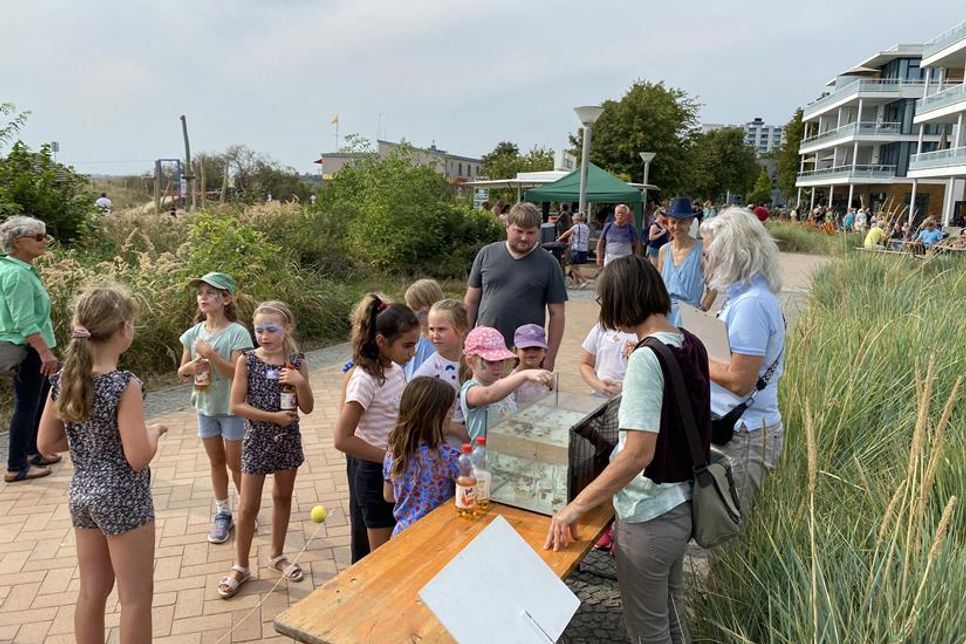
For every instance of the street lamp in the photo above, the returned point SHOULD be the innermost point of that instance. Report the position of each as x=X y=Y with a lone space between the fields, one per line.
x=588 y=115
x=646 y=157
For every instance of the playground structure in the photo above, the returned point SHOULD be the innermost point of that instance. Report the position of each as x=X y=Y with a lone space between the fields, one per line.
x=170 y=184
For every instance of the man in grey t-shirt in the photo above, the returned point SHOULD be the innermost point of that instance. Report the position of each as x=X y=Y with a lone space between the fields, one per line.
x=516 y=282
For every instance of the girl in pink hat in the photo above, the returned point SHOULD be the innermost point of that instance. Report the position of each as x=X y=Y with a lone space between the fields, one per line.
x=488 y=397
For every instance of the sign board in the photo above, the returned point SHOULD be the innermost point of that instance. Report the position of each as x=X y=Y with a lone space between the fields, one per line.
x=497 y=589
x=479 y=196
x=564 y=160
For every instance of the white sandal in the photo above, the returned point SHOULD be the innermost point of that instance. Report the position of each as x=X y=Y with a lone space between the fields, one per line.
x=229 y=584
x=292 y=572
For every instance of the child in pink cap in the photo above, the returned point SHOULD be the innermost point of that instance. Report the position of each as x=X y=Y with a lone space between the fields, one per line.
x=530 y=346
x=488 y=397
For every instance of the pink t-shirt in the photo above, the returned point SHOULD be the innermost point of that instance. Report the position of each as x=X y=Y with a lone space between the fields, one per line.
x=381 y=404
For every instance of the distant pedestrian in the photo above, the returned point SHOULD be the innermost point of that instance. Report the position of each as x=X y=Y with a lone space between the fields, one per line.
x=104 y=205
x=618 y=238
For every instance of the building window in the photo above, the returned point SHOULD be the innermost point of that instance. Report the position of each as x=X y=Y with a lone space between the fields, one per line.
x=460 y=173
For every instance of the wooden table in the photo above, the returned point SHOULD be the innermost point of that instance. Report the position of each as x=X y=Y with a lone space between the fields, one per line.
x=377 y=599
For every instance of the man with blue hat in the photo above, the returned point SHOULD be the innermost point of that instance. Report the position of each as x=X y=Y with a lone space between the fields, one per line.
x=681 y=263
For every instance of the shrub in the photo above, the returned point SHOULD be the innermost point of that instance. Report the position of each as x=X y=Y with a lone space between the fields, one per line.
x=858 y=538
x=797 y=238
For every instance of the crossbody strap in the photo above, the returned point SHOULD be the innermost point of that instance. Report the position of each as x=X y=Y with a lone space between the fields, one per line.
x=673 y=369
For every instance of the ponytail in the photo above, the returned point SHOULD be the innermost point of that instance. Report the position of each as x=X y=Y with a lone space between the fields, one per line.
x=76 y=382
x=372 y=317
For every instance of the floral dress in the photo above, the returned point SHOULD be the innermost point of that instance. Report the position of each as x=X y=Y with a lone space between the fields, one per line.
x=105 y=493
x=268 y=448
x=427 y=483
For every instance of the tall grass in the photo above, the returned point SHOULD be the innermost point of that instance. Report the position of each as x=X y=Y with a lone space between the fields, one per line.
x=858 y=535
x=797 y=238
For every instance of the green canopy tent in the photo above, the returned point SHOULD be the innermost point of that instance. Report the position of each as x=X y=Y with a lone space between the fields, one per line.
x=602 y=187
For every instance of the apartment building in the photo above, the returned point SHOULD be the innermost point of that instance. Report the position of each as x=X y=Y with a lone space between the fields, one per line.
x=943 y=107
x=764 y=138
x=860 y=134
x=457 y=169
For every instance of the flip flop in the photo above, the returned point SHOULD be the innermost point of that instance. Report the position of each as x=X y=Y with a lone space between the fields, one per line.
x=40 y=460
x=27 y=473
x=229 y=584
x=292 y=572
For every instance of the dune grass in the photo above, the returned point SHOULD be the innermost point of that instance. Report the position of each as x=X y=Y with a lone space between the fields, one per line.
x=858 y=536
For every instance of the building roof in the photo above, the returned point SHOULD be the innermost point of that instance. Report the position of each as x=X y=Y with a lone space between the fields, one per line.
x=876 y=61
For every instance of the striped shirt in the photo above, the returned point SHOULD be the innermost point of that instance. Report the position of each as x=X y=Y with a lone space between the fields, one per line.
x=381 y=404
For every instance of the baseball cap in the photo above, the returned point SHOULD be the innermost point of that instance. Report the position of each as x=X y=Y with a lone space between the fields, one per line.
x=530 y=335
x=221 y=281
x=488 y=343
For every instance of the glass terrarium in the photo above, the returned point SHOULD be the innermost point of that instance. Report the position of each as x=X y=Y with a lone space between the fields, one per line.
x=546 y=452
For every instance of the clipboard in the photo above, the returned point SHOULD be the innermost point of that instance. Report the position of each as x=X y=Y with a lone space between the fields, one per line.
x=712 y=332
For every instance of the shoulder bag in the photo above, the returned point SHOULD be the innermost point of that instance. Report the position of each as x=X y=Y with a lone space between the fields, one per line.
x=723 y=427
x=11 y=355
x=715 y=510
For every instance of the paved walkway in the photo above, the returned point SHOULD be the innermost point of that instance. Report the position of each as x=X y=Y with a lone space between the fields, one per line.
x=38 y=568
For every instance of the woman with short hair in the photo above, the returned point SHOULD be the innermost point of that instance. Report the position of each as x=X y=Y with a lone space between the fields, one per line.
x=741 y=259
x=27 y=339
x=650 y=475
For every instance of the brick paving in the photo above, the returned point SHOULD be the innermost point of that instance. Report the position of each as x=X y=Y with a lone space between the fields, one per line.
x=38 y=567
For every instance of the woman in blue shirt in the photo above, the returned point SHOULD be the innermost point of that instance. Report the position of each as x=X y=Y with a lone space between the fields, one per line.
x=742 y=260
x=681 y=262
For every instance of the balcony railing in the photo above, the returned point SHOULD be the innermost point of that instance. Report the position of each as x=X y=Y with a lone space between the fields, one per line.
x=848 y=171
x=941 y=99
x=938 y=159
x=860 y=128
x=869 y=86
x=944 y=39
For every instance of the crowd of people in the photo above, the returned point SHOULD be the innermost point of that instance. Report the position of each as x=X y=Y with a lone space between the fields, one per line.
x=425 y=375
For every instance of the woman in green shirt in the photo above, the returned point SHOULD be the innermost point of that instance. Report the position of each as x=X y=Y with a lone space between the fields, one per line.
x=25 y=328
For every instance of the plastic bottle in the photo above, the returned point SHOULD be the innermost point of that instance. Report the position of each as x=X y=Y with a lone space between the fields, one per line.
x=202 y=377
x=483 y=477
x=466 y=485
x=287 y=394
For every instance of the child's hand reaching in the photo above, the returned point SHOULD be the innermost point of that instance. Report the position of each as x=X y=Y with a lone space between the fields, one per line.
x=541 y=376
x=610 y=387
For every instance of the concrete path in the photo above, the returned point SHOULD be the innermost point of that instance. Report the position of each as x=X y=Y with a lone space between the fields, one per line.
x=38 y=568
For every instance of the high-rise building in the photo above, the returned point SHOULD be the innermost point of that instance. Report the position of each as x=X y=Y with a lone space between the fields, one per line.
x=943 y=108
x=859 y=136
x=762 y=137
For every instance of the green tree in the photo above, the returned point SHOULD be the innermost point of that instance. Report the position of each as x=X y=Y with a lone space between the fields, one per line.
x=722 y=162
x=761 y=193
x=256 y=175
x=32 y=183
x=11 y=122
x=505 y=161
x=650 y=117
x=787 y=156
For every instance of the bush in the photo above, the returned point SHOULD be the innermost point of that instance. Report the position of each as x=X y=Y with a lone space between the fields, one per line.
x=858 y=539
x=32 y=183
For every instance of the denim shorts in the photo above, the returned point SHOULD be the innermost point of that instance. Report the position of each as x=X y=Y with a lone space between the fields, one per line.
x=231 y=428
x=367 y=486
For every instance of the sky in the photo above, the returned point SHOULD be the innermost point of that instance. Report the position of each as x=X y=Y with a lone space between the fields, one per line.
x=109 y=79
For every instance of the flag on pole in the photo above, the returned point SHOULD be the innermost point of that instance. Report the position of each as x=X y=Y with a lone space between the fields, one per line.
x=335 y=120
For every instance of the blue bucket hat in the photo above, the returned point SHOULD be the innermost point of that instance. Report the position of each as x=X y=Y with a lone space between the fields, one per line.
x=680 y=208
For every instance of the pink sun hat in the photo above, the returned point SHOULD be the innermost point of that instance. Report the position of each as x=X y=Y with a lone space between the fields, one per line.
x=488 y=343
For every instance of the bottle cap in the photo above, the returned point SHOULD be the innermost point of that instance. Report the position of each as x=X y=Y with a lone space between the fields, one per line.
x=481 y=440
x=467 y=448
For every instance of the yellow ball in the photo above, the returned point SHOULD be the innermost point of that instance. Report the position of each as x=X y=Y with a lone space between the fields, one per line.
x=319 y=514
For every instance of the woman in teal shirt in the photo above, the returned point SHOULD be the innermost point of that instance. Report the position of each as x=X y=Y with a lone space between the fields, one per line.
x=25 y=328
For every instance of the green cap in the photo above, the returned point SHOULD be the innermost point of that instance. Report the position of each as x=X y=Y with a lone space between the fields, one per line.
x=218 y=280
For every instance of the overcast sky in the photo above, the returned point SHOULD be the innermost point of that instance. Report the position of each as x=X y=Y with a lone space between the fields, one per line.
x=108 y=79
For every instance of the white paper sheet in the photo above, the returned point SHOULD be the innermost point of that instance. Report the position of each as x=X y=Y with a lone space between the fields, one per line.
x=497 y=589
x=709 y=329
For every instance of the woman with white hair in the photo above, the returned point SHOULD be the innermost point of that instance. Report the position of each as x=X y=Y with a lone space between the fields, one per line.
x=26 y=342
x=742 y=260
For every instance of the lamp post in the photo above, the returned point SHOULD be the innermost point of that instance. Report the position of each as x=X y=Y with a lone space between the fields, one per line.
x=646 y=157
x=588 y=115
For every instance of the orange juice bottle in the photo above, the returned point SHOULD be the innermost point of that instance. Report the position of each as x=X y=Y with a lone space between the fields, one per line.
x=466 y=485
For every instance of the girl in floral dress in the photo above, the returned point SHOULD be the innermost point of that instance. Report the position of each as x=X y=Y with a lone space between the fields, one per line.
x=272 y=443
x=420 y=469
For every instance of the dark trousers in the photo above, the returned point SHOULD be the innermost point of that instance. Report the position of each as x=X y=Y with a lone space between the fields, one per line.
x=30 y=393
x=357 y=522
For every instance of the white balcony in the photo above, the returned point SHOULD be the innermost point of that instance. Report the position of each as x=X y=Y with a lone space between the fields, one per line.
x=846 y=174
x=938 y=164
x=948 y=49
x=872 y=91
x=861 y=131
x=943 y=106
